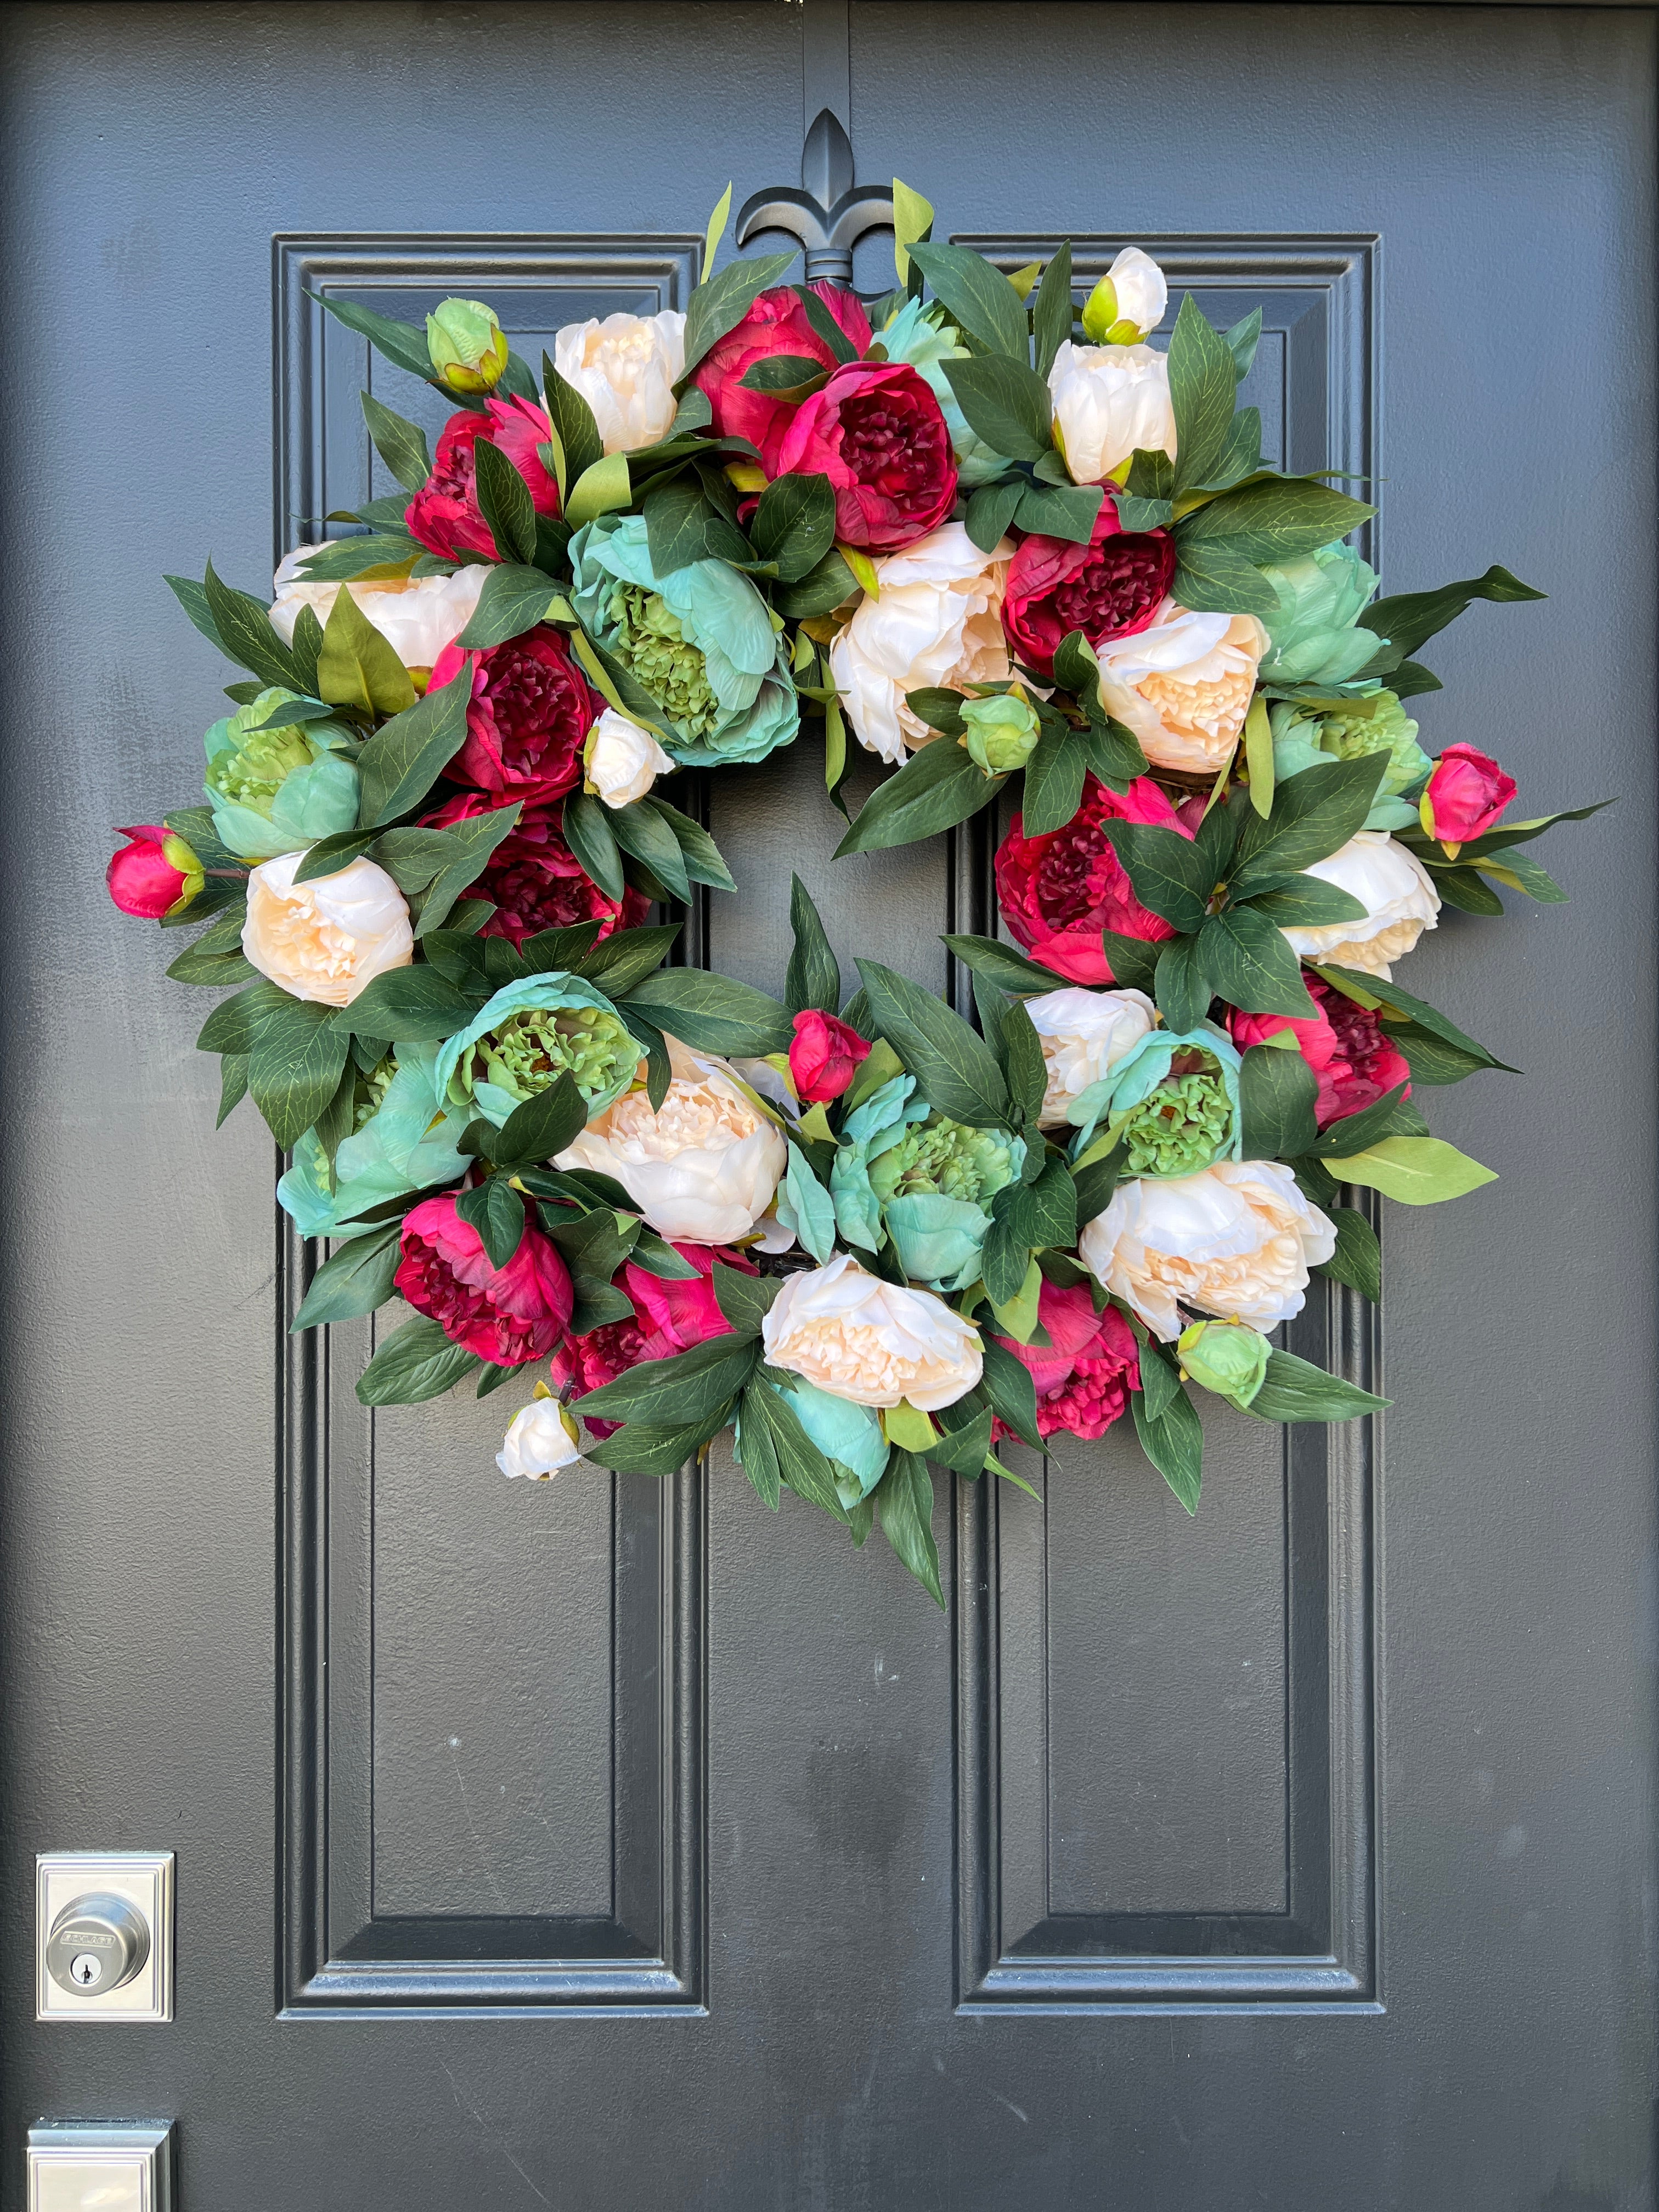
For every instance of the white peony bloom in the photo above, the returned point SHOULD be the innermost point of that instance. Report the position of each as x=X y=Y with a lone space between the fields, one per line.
x=1236 y=1240
x=858 y=1337
x=937 y=622
x=1109 y=401
x=705 y=1168
x=623 y=761
x=625 y=367
x=1183 y=684
x=1084 y=1033
x=1399 y=897
x=417 y=616
x=541 y=1443
x=331 y=937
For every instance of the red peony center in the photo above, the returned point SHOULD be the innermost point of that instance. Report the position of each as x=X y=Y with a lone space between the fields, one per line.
x=1078 y=874
x=534 y=704
x=1125 y=578
x=897 y=451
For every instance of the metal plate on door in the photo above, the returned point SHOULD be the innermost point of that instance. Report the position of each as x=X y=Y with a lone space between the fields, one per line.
x=124 y=2168
x=103 y=1935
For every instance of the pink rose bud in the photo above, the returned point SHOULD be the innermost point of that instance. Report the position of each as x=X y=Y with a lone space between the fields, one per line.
x=156 y=873
x=1465 y=795
x=825 y=1057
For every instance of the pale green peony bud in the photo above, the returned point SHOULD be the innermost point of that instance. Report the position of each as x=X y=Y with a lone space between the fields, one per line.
x=466 y=345
x=1226 y=1356
x=1002 y=732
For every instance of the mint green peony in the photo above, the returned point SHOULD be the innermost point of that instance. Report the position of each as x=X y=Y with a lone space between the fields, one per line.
x=1174 y=1102
x=905 y=1173
x=1002 y=732
x=529 y=1034
x=848 y=1435
x=701 y=642
x=1306 y=733
x=1312 y=637
x=276 y=790
x=922 y=335
x=402 y=1140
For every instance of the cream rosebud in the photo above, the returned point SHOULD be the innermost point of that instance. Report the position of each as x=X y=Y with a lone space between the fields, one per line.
x=327 y=940
x=1236 y=1240
x=418 y=616
x=625 y=367
x=541 y=1443
x=704 y=1170
x=1183 y=684
x=623 y=760
x=937 y=622
x=1128 y=302
x=875 y=1342
x=1397 y=893
x=1084 y=1035
x=1109 y=402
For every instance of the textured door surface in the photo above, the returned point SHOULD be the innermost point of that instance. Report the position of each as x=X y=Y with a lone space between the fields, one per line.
x=620 y=1842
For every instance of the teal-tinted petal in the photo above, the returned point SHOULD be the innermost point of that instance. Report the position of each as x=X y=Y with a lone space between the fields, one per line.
x=314 y=802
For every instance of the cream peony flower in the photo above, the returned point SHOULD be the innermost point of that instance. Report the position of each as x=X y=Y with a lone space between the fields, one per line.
x=858 y=1337
x=625 y=367
x=1236 y=1240
x=623 y=761
x=331 y=937
x=1397 y=892
x=541 y=1443
x=417 y=616
x=1084 y=1033
x=1109 y=401
x=1183 y=684
x=937 y=622
x=703 y=1170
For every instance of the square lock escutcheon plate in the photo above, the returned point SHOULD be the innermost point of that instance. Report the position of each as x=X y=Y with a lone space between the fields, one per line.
x=138 y=1883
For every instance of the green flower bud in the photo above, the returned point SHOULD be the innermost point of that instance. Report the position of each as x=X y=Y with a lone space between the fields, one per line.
x=1002 y=732
x=1100 y=314
x=466 y=345
x=1181 y=1125
x=1226 y=1356
x=651 y=643
x=1312 y=636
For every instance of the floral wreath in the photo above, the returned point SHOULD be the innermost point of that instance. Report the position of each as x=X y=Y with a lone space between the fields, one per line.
x=997 y=535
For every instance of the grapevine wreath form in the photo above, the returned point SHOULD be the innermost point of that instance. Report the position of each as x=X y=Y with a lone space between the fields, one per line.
x=993 y=535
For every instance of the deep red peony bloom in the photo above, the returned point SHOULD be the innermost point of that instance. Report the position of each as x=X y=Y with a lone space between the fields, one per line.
x=876 y=431
x=1466 y=794
x=776 y=324
x=1084 y=1375
x=1110 y=587
x=506 y=1315
x=1355 y=1063
x=528 y=718
x=1058 y=892
x=534 y=878
x=445 y=514
x=142 y=880
x=825 y=1057
x=668 y=1317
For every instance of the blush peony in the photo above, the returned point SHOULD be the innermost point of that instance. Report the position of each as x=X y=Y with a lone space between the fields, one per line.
x=540 y=1443
x=877 y=433
x=937 y=621
x=626 y=369
x=1397 y=892
x=329 y=939
x=875 y=1342
x=1058 y=891
x=1183 y=684
x=1109 y=401
x=1084 y=1035
x=418 y=616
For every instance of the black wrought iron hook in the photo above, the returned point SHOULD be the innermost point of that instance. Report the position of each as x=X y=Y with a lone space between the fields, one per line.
x=829 y=213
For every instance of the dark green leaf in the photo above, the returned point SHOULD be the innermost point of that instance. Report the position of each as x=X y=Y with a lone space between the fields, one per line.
x=941 y=707
x=379 y=552
x=1160 y=1377
x=990 y=510
x=691 y=1386
x=409 y=1004
x=1313 y=815
x=825 y=324
x=904 y=1503
x=1217 y=580
x=1391 y=1116
x=1042 y=1215
x=719 y=303
x=1181 y=983
x=643 y=832
x=745 y=1300
x=541 y=1127
x=1358 y=1260
x=646 y=1447
x=295 y=1068
x=214 y=970
x=513 y=599
x=587 y=831
x=1307 y=902
x=472 y=843
x=417 y=1362
x=698 y=850
x=1051 y=317
x=573 y=422
x=979 y=299
x=400 y=444
x=193 y=600
x=937 y=787
x=712 y=1013
x=757 y=1454
x=820 y=591
x=1054 y=781
x=232 y=1085
x=963 y=1450
x=1277 y=1094
x=1066 y=511
x=1098 y=1181
x=1467 y=890
x=658 y=1257
x=682 y=526
x=495 y=1210
x=814 y=973
x=624 y=959
x=793 y=374
x=955 y=1068
x=504 y=502
x=1167 y=871
x=1275 y=519
x=1006 y=403
x=330 y=855
x=1251 y=965
x=307 y=647
x=795 y=524
x=1241 y=340
x=1002 y=965
x=1408 y=619
x=1174 y=1441
x=660 y=1072
x=802 y=1466
x=1133 y=961
x=402 y=760
x=1004 y=1262
x=356 y=1280
x=1022 y=1063
x=400 y=342
x=242 y=630
x=1202 y=384
x=1295 y=1390
x=1007 y=1384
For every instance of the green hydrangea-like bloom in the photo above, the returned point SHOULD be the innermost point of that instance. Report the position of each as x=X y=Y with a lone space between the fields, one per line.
x=1378 y=723
x=372 y=1089
x=1180 y=1127
x=405 y=1141
x=945 y=1159
x=650 y=641
x=905 y=1175
x=529 y=1034
x=275 y=790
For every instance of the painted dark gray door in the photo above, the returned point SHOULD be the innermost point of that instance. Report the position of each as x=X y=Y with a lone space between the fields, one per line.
x=606 y=1845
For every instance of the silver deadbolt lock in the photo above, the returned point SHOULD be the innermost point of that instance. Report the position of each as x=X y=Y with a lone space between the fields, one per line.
x=97 y=1942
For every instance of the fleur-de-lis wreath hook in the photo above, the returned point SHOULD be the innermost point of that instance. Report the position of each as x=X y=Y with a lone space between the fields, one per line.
x=830 y=213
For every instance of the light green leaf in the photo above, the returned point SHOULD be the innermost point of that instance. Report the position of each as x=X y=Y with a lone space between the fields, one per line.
x=1415 y=1171
x=913 y=218
x=1295 y=1390
x=599 y=491
x=357 y=668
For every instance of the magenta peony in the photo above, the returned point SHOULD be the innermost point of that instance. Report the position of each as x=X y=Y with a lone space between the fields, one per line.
x=528 y=716
x=445 y=514
x=668 y=1317
x=506 y=1315
x=1059 y=892
x=534 y=879
x=1110 y=587
x=776 y=324
x=1345 y=1046
x=1086 y=1372
x=876 y=431
x=152 y=872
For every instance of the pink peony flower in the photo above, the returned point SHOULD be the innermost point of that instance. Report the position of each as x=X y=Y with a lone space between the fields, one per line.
x=1084 y=1375
x=506 y=1315
x=1345 y=1047
x=668 y=1317
x=1058 y=891
x=825 y=1057
x=445 y=514
x=876 y=431
x=534 y=879
x=1111 y=587
x=143 y=879
x=1465 y=795
x=776 y=324
x=528 y=716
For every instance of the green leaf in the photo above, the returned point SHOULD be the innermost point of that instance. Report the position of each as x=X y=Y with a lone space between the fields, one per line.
x=641 y=830
x=1371 y=991
x=913 y=218
x=814 y=973
x=1181 y=983
x=232 y=1085
x=1251 y=965
x=1022 y=1058
x=658 y=1257
x=1096 y=1181
x=713 y=1013
x=241 y=629
x=213 y=970
x=1042 y=1215
x=720 y=302
x=1169 y=871
x=1408 y=619
x=1160 y=1378
x=1258 y=756
x=1307 y=902
x=794 y=525
x=356 y=1280
x=589 y=834
x=1054 y=781
x=820 y=591
x=1465 y=889
x=955 y=1067
x=792 y=375
x=294 y=1069
x=698 y=850
x=574 y=425
x=979 y=298
x=513 y=599
x=624 y=959
x=1391 y=1116
x=504 y=502
x=1051 y=317
x=660 y=1072
x=330 y=855
x=990 y=510
x=681 y=525
x=939 y=707
x=1314 y=814
x=745 y=1300
x=1007 y=1384
x=647 y=1447
x=1278 y=1092
x=400 y=444
x=691 y=1386
x=1217 y=580
x=472 y=841
x=495 y=1211
x=1007 y=404
x=1202 y=385
x=801 y=1465
x=1357 y=1259
x=1415 y=1171
x=404 y=758
x=937 y=787
x=1001 y=965
x=599 y=491
x=400 y=342
x=357 y=667
x=412 y=1005
x=1519 y=873
x=417 y=1362
x=379 y=553
x=756 y=1453
x=1065 y=511
x=1275 y=519
x=1295 y=1390
x=1241 y=340
x=541 y=1127
x=1174 y=1441
x=904 y=1504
